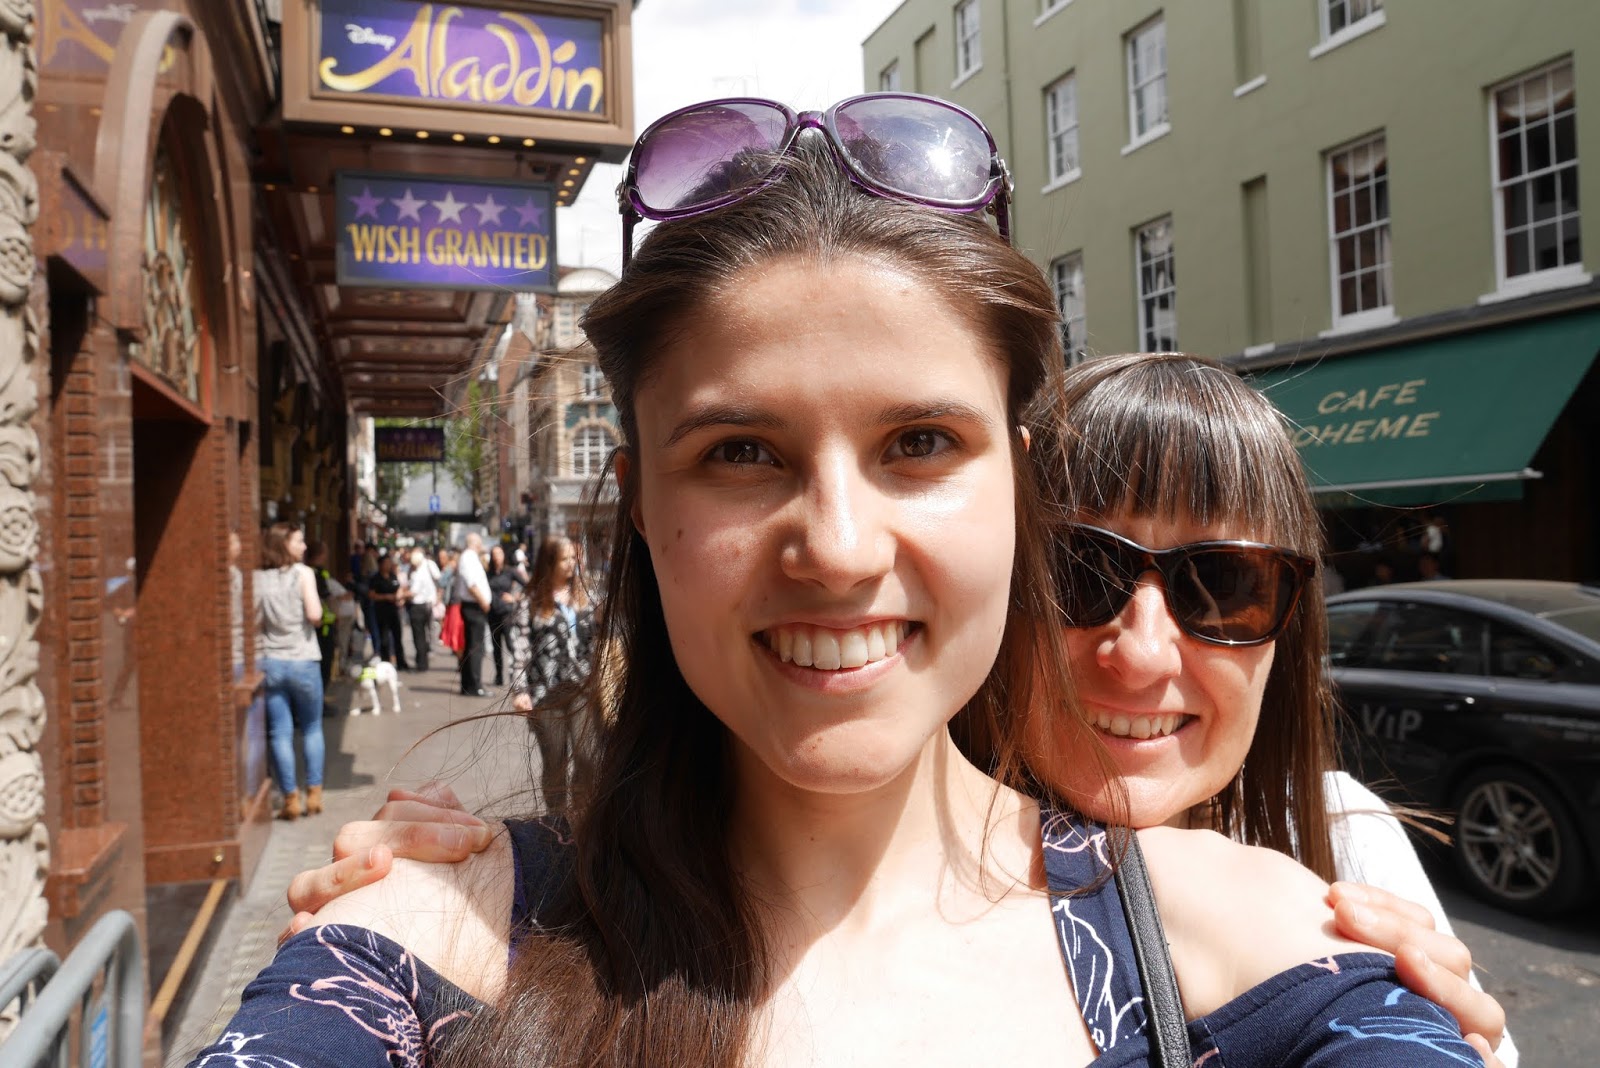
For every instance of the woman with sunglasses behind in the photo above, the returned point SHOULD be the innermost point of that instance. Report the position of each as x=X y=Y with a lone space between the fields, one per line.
x=828 y=544
x=1196 y=630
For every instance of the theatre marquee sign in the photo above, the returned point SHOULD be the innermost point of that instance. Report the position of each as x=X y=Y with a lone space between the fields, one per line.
x=511 y=70
x=408 y=231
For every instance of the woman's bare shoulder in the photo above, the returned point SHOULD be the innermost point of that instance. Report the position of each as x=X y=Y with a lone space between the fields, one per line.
x=1235 y=915
x=454 y=917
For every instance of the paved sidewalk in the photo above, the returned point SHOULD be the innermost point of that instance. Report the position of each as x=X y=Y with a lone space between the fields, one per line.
x=487 y=763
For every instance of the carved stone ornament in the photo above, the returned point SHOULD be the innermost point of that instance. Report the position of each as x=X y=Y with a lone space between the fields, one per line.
x=24 y=845
x=172 y=340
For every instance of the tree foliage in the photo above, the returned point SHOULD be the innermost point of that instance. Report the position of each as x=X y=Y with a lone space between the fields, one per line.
x=468 y=454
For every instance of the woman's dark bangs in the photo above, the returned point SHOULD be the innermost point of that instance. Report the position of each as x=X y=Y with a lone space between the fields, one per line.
x=1182 y=448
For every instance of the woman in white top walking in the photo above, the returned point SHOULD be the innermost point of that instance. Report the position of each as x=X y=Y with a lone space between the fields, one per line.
x=288 y=612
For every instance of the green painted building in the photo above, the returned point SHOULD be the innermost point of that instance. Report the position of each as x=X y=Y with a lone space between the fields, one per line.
x=1376 y=209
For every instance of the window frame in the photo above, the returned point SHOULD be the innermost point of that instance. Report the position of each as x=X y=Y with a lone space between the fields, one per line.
x=591 y=382
x=1136 y=136
x=1533 y=280
x=1048 y=8
x=1056 y=178
x=583 y=445
x=1074 y=354
x=968 y=40
x=1328 y=38
x=1146 y=330
x=889 y=77
x=1379 y=314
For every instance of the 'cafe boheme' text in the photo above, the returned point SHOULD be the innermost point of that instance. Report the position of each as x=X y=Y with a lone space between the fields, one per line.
x=1386 y=412
x=440 y=72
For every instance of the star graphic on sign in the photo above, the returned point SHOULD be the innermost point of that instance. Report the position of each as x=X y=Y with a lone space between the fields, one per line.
x=366 y=203
x=410 y=207
x=449 y=207
x=530 y=214
x=489 y=211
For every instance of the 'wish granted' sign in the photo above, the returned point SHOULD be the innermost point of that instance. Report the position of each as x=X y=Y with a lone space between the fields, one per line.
x=462 y=55
x=409 y=232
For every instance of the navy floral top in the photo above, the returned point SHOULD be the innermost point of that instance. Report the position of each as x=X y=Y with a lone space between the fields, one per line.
x=344 y=997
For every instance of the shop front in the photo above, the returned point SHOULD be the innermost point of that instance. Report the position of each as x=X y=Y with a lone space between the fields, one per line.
x=1477 y=448
x=147 y=435
x=240 y=249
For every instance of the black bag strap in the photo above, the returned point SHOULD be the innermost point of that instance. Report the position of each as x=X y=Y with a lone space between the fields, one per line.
x=1169 y=1034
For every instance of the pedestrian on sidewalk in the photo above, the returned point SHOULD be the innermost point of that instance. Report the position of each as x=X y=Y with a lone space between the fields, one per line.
x=550 y=674
x=472 y=591
x=317 y=560
x=386 y=593
x=422 y=593
x=504 y=593
x=288 y=613
x=366 y=570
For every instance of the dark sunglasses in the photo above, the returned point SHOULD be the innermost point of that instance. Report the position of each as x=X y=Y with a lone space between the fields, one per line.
x=896 y=145
x=1221 y=592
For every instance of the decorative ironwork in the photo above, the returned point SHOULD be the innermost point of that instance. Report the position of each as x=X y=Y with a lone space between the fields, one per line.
x=171 y=309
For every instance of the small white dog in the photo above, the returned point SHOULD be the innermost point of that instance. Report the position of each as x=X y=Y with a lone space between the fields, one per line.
x=369 y=677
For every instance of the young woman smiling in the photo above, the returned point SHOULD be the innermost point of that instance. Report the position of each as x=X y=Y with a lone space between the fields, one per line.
x=821 y=391
x=1225 y=729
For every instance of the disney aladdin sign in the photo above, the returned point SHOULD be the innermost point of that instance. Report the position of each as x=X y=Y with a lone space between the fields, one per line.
x=554 y=76
x=406 y=231
x=511 y=58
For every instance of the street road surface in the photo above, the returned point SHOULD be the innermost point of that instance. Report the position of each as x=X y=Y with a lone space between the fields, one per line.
x=1546 y=974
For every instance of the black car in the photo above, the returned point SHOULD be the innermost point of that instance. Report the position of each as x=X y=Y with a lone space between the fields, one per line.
x=1481 y=699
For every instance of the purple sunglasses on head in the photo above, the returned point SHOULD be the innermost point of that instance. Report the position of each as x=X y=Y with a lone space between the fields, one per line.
x=897 y=145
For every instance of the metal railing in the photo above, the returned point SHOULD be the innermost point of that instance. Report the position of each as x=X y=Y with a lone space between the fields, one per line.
x=23 y=976
x=111 y=1011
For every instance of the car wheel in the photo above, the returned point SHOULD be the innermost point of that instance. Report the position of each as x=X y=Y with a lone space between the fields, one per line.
x=1515 y=844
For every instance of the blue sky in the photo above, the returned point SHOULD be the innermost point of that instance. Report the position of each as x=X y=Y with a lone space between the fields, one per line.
x=806 y=53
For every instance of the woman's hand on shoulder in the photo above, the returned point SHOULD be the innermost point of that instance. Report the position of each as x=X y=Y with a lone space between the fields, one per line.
x=1235 y=915
x=429 y=824
x=455 y=917
x=1431 y=963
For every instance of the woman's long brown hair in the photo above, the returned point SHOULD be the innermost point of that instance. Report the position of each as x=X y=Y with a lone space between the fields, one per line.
x=649 y=951
x=275 y=545
x=542 y=587
x=1180 y=437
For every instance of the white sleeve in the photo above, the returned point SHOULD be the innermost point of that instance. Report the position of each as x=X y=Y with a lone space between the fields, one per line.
x=1371 y=846
x=477 y=578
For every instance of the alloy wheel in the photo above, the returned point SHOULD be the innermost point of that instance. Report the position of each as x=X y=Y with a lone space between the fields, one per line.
x=1509 y=840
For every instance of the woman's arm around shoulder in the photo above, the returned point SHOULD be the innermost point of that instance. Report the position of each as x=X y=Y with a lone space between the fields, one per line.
x=1370 y=846
x=456 y=917
x=356 y=991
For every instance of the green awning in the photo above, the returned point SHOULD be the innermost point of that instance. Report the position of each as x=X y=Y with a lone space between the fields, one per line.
x=1452 y=419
